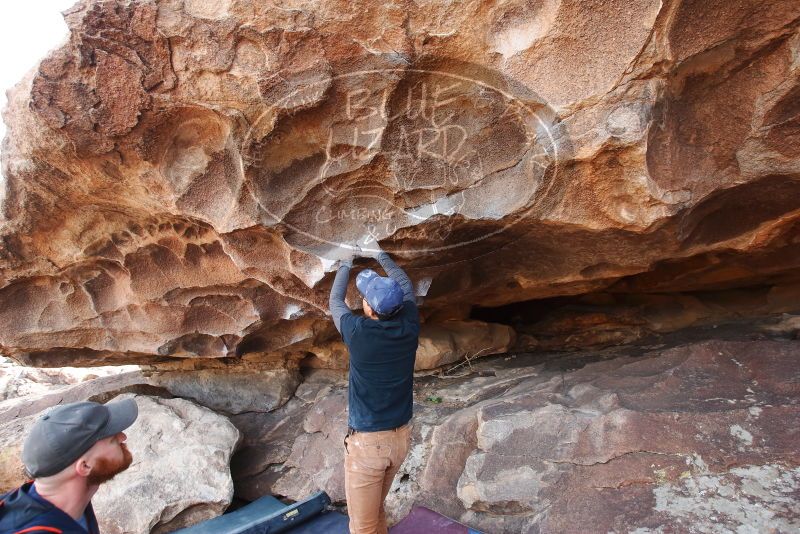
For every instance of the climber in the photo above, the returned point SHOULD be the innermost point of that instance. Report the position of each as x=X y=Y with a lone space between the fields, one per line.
x=382 y=346
x=69 y=452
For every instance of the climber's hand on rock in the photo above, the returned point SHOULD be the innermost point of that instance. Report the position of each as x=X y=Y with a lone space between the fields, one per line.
x=345 y=253
x=370 y=249
x=355 y=250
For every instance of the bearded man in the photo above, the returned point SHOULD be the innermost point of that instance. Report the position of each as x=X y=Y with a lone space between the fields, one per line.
x=69 y=452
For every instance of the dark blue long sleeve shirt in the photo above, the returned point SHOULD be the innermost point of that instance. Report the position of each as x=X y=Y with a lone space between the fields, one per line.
x=382 y=354
x=24 y=510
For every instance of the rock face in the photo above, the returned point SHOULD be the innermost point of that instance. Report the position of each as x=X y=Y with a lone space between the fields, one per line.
x=450 y=341
x=232 y=392
x=180 y=175
x=608 y=318
x=12 y=434
x=293 y=451
x=180 y=475
x=694 y=436
x=678 y=436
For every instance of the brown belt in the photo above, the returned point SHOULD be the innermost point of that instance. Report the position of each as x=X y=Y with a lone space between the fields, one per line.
x=351 y=430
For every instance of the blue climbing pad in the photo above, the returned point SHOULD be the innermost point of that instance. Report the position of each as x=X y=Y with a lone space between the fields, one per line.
x=268 y=515
x=423 y=520
x=325 y=523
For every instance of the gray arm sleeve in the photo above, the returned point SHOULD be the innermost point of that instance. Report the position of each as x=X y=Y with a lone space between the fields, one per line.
x=397 y=274
x=338 y=290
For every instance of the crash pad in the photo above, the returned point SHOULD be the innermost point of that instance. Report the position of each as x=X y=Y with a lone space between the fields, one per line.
x=422 y=520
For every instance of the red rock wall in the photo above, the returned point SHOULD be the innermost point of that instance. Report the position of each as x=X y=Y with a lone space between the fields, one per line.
x=179 y=174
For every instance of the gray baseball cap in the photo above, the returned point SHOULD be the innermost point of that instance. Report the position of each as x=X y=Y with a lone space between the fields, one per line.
x=63 y=434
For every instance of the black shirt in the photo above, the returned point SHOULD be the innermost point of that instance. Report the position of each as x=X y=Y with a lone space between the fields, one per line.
x=382 y=355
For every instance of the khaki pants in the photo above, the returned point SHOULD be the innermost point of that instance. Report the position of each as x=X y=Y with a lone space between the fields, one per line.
x=371 y=461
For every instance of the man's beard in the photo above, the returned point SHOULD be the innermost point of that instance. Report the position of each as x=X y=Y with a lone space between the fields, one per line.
x=106 y=469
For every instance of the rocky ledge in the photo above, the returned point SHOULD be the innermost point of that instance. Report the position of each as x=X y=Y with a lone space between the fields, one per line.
x=688 y=433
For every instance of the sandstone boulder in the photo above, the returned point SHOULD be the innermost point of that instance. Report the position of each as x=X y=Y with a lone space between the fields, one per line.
x=687 y=434
x=316 y=461
x=19 y=413
x=180 y=475
x=232 y=392
x=450 y=341
x=268 y=441
x=179 y=178
x=692 y=437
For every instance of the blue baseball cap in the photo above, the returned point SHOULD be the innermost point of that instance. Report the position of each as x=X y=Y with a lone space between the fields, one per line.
x=383 y=294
